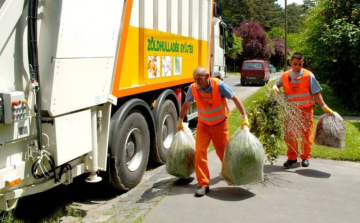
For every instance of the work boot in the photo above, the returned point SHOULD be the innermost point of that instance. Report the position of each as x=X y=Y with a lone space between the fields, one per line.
x=305 y=163
x=289 y=163
x=201 y=191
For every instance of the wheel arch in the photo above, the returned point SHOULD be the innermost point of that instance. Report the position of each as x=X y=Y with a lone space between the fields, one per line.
x=120 y=116
x=168 y=94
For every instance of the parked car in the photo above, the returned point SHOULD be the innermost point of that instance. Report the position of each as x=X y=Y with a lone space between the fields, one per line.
x=272 y=68
x=255 y=71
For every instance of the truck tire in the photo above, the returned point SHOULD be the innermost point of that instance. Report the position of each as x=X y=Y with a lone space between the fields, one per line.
x=242 y=83
x=133 y=146
x=165 y=131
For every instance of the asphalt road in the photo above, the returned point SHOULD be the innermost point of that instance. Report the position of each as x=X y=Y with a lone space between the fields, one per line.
x=244 y=91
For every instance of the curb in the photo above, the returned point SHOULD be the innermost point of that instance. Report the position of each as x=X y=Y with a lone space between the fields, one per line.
x=132 y=205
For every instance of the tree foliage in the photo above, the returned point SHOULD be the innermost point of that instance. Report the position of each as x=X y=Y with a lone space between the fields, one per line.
x=307 y=4
x=255 y=42
x=265 y=12
x=276 y=32
x=270 y=16
x=236 y=48
x=332 y=41
x=234 y=11
x=295 y=18
x=277 y=58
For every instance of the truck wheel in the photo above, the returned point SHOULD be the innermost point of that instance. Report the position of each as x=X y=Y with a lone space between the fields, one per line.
x=165 y=131
x=242 y=83
x=133 y=146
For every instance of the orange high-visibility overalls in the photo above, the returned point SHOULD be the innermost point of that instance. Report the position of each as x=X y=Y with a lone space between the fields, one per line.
x=212 y=125
x=299 y=93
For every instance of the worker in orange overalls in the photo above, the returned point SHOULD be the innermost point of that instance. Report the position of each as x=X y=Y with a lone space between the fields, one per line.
x=210 y=95
x=302 y=88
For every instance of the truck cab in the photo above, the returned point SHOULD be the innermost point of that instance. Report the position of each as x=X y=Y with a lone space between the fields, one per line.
x=219 y=41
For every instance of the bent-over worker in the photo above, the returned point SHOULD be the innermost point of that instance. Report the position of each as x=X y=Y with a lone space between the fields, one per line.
x=210 y=95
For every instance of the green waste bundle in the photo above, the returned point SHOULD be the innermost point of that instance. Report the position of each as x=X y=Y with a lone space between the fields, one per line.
x=180 y=159
x=268 y=117
x=330 y=131
x=243 y=159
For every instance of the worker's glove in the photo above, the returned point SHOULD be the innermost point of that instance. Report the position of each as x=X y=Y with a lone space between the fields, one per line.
x=275 y=88
x=245 y=121
x=180 y=125
x=326 y=109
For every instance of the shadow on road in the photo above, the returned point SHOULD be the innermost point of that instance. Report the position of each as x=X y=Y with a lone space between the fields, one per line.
x=230 y=193
x=304 y=172
x=313 y=173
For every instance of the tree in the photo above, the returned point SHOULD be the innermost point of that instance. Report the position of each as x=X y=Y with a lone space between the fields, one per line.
x=233 y=53
x=233 y=11
x=277 y=58
x=266 y=12
x=255 y=42
x=293 y=42
x=295 y=18
x=332 y=41
x=307 y=4
x=237 y=47
x=276 y=32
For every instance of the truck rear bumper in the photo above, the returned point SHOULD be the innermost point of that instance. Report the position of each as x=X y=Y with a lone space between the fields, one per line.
x=9 y=200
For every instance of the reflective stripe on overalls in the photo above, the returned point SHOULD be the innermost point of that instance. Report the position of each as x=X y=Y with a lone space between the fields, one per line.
x=298 y=90
x=212 y=108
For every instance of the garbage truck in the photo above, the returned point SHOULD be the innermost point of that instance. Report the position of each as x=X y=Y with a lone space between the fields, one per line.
x=91 y=87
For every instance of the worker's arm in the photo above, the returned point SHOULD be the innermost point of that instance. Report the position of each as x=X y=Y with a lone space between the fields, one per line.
x=320 y=101
x=239 y=105
x=278 y=84
x=184 y=108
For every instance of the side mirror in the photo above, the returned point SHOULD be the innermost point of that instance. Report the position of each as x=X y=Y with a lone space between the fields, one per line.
x=230 y=41
x=217 y=11
x=230 y=31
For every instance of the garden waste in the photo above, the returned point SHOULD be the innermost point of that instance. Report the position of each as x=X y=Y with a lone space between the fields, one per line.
x=180 y=159
x=330 y=131
x=243 y=159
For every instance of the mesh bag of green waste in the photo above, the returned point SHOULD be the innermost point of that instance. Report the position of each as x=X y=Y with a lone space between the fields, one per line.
x=180 y=159
x=330 y=131
x=243 y=159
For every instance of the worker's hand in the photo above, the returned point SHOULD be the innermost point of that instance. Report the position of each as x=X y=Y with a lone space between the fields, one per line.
x=180 y=125
x=326 y=109
x=275 y=88
x=245 y=121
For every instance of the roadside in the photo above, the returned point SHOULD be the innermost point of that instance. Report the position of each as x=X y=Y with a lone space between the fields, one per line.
x=317 y=194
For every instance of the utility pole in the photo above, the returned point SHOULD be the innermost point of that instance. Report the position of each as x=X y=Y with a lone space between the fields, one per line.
x=285 y=54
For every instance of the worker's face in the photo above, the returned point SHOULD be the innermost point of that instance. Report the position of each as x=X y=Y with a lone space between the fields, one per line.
x=202 y=80
x=296 y=65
